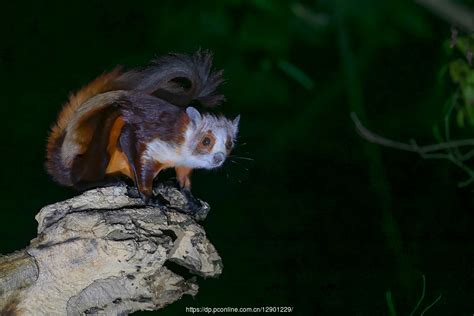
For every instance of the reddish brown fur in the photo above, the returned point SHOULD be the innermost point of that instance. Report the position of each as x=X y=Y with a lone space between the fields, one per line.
x=205 y=149
x=114 y=134
x=118 y=162
x=148 y=172
x=228 y=145
x=99 y=85
x=183 y=174
x=183 y=123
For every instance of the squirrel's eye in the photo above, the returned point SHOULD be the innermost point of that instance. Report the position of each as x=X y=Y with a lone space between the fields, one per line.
x=228 y=145
x=206 y=141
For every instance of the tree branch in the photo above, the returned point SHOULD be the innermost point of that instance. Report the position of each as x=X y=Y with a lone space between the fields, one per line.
x=452 y=12
x=413 y=147
x=426 y=152
x=104 y=252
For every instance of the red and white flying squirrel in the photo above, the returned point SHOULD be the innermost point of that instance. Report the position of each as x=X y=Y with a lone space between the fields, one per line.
x=139 y=122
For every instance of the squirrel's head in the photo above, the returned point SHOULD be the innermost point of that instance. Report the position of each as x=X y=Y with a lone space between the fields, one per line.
x=209 y=139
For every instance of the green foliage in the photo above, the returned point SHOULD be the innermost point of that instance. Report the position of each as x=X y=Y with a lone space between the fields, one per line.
x=391 y=305
x=462 y=74
x=297 y=74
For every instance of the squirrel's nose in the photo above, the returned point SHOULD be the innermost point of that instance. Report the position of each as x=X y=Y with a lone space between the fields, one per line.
x=218 y=158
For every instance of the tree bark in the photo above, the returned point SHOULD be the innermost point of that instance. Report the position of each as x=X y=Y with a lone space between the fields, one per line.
x=106 y=253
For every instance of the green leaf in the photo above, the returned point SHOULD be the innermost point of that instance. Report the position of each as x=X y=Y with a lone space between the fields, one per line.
x=459 y=70
x=390 y=305
x=460 y=118
x=296 y=73
x=470 y=114
x=437 y=134
x=464 y=44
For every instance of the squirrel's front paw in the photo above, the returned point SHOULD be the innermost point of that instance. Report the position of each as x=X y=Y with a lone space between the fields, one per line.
x=194 y=204
x=133 y=192
x=156 y=200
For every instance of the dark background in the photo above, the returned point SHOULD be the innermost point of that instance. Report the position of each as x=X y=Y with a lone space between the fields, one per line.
x=319 y=220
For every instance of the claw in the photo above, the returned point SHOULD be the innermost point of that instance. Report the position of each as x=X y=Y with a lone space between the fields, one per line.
x=194 y=204
x=133 y=192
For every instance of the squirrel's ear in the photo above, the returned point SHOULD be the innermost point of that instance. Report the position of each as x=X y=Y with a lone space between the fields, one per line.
x=194 y=115
x=235 y=124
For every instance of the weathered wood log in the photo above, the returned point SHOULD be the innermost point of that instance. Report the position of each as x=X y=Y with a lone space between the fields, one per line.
x=106 y=253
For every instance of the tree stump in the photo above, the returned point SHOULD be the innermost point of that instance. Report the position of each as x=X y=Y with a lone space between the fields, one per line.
x=106 y=253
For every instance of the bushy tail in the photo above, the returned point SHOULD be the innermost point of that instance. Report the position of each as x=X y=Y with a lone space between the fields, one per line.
x=55 y=164
x=178 y=79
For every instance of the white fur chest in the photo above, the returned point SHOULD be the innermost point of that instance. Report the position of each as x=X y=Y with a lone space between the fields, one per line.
x=163 y=152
